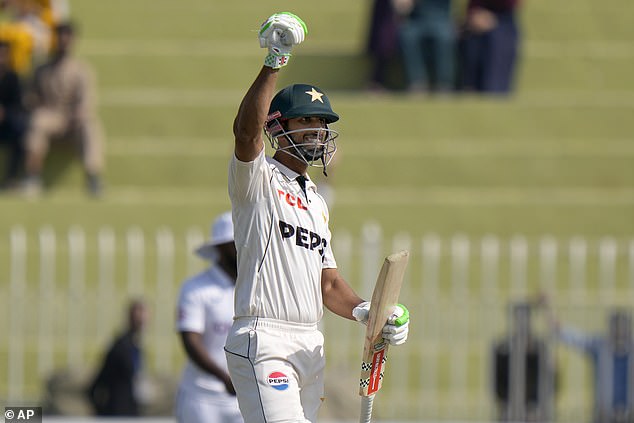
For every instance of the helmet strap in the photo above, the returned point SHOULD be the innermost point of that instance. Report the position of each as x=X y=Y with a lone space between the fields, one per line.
x=323 y=161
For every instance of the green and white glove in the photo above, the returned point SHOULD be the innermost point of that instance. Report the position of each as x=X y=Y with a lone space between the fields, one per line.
x=396 y=328
x=279 y=33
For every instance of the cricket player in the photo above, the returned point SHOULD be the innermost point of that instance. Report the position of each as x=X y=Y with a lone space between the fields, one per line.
x=204 y=316
x=286 y=268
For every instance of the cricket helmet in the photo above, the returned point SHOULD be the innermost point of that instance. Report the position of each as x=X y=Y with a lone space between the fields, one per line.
x=302 y=100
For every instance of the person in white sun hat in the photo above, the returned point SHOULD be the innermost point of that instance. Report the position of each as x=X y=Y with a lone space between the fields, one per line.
x=221 y=233
x=204 y=316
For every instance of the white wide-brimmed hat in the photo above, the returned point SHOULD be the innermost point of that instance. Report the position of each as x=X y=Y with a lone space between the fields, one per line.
x=221 y=232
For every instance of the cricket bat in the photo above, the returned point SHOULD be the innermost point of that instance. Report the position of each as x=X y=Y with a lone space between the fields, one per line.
x=384 y=298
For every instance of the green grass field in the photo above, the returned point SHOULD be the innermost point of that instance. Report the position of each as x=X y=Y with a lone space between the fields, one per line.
x=555 y=158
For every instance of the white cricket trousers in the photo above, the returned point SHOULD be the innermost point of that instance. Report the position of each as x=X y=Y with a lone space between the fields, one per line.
x=277 y=369
x=206 y=407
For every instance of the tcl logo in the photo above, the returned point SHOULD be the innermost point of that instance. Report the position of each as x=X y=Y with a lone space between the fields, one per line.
x=291 y=200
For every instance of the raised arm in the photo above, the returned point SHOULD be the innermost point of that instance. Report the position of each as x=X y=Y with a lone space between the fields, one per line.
x=247 y=126
x=279 y=33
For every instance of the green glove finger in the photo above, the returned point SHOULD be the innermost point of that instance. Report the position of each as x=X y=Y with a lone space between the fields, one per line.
x=270 y=22
x=265 y=27
x=400 y=321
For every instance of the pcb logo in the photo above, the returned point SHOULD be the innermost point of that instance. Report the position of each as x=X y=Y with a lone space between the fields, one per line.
x=278 y=380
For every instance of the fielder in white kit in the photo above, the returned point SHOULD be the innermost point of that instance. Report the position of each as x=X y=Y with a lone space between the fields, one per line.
x=204 y=316
x=286 y=268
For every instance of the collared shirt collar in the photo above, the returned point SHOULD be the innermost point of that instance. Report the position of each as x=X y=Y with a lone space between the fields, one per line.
x=291 y=174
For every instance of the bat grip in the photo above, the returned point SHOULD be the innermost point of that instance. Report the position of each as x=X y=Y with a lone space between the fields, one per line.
x=366 y=409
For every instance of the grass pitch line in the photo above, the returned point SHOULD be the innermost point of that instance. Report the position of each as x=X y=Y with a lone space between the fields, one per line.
x=573 y=49
x=617 y=49
x=363 y=196
x=486 y=196
x=165 y=97
x=219 y=148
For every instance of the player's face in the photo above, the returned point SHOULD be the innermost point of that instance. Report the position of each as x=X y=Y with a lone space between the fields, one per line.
x=305 y=139
x=311 y=124
x=306 y=133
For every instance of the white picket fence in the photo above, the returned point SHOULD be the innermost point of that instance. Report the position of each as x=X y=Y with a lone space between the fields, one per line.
x=63 y=293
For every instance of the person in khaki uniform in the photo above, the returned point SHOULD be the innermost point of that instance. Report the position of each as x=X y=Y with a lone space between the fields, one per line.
x=63 y=109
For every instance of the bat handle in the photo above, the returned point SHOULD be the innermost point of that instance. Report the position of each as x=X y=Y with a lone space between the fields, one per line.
x=366 y=409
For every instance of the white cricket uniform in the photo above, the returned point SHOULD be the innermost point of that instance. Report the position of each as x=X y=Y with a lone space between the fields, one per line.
x=274 y=349
x=205 y=306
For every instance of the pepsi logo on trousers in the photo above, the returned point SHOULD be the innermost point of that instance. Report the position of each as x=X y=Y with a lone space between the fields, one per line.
x=278 y=380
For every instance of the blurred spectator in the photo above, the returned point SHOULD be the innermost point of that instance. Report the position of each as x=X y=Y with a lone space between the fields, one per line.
x=18 y=37
x=205 y=314
x=612 y=358
x=12 y=118
x=63 y=109
x=53 y=12
x=29 y=36
x=489 y=46
x=115 y=389
x=27 y=13
x=383 y=47
x=523 y=371
x=427 y=42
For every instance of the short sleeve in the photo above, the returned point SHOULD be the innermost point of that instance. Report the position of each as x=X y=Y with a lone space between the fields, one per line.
x=246 y=179
x=190 y=314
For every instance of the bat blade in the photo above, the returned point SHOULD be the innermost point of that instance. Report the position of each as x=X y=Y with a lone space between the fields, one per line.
x=384 y=298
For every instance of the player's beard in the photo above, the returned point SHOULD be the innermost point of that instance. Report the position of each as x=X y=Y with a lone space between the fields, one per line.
x=310 y=147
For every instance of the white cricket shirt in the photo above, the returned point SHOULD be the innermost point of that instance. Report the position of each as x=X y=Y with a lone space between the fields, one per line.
x=283 y=242
x=205 y=306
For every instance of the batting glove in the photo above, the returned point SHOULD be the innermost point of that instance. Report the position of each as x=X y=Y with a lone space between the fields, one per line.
x=279 y=33
x=362 y=312
x=396 y=328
